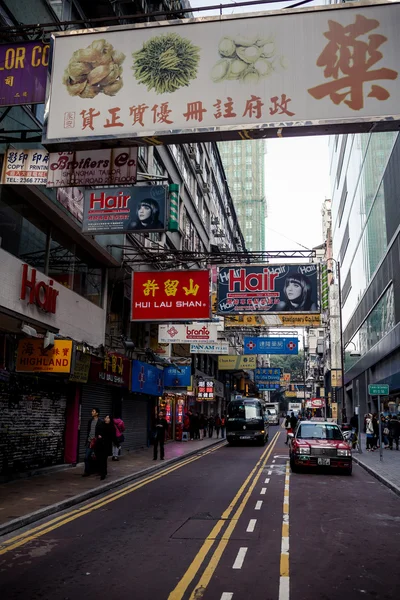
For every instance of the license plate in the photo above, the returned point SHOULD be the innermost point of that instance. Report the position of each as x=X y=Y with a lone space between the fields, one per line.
x=324 y=461
x=245 y=437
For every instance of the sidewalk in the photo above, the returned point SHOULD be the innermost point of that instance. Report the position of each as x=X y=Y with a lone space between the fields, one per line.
x=386 y=471
x=26 y=500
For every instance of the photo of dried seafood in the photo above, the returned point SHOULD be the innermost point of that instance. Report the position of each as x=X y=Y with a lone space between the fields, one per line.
x=94 y=70
x=247 y=59
x=166 y=63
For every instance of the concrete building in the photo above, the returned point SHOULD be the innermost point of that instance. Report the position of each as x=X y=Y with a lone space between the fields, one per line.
x=244 y=163
x=365 y=233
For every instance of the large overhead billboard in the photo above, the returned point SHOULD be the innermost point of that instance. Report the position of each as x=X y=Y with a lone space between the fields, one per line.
x=268 y=288
x=220 y=76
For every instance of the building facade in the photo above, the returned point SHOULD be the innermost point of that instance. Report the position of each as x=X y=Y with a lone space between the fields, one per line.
x=44 y=256
x=365 y=234
x=244 y=163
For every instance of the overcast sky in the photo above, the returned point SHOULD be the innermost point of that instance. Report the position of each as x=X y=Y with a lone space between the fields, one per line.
x=296 y=174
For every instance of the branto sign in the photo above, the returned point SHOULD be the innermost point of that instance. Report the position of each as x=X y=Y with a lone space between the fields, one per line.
x=263 y=289
x=236 y=363
x=272 y=345
x=23 y=73
x=170 y=296
x=32 y=357
x=225 y=75
x=185 y=334
x=120 y=210
x=116 y=166
x=25 y=167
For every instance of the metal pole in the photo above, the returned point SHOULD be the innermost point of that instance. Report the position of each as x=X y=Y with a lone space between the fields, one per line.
x=340 y=415
x=380 y=429
x=359 y=417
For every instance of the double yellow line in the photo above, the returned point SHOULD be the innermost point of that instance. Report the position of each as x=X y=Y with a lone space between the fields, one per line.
x=44 y=528
x=193 y=569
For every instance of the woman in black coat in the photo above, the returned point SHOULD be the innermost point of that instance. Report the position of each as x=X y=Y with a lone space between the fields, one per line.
x=103 y=448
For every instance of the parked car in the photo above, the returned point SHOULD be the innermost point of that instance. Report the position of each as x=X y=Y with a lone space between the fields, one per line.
x=319 y=444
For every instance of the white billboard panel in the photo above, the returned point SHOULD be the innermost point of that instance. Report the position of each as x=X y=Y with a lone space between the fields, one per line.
x=186 y=334
x=203 y=348
x=306 y=67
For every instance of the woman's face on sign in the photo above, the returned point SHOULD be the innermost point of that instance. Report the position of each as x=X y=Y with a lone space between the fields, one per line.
x=294 y=290
x=144 y=212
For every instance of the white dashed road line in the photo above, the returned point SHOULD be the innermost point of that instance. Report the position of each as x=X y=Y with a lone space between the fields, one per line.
x=240 y=558
x=263 y=491
x=269 y=472
x=258 y=505
x=227 y=596
x=284 y=580
x=267 y=480
x=251 y=526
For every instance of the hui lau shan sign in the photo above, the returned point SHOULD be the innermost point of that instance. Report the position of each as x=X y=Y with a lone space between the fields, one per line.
x=227 y=77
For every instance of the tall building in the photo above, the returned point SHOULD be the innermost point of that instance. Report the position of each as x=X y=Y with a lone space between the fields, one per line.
x=366 y=238
x=245 y=170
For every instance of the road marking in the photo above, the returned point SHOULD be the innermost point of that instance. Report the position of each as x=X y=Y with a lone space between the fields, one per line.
x=284 y=580
x=227 y=596
x=32 y=534
x=238 y=564
x=269 y=472
x=267 y=480
x=180 y=590
x=251 y=526
x=263 y=490
x=273 y=461
x=258 y=505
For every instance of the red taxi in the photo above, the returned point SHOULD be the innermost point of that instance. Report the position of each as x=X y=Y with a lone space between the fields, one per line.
x=319 y=444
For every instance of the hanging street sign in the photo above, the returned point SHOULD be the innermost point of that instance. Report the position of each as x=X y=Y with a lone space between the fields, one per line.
x=272 y=345
x=378 y=389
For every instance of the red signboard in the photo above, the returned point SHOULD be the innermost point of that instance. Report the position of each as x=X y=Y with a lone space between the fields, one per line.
x=170 y=296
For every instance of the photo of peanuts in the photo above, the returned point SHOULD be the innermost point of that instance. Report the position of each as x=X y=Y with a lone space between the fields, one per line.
x=94 y=70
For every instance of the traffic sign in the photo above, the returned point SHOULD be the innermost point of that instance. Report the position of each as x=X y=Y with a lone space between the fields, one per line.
x=378 y=389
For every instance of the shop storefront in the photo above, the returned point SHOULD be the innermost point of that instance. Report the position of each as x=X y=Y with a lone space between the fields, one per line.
x=174 y=401
x=142 y=404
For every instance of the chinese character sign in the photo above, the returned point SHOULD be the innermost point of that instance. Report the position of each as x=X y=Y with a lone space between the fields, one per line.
x=266 y=374
x=23 y=73
x=287 y=70
x=271 y=288
x=117 y=210
x=272 y=345
x=170 y=295
x=25 y=167
x=205 y=390
x=32 y=357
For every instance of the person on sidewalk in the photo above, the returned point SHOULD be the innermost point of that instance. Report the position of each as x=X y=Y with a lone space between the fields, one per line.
x=375 y=424
x=210 y=426
x=103 y=447
x=394 y=432
x=369 y=430
x=201 y=425
x=217 y=424
x=196 y=426
x=161 y=426
x=205 y=427
x=118 y=437
x=223 y=425
x=90 y=441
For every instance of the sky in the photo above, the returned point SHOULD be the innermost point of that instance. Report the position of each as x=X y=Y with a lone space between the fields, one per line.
x=296 y=173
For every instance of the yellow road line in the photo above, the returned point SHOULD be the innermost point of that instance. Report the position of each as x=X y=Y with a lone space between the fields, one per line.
x=192 y=570
x=44 y=528
x=284 y=580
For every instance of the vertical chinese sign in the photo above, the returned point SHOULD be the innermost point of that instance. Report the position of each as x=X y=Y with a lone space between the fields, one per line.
x=170 y=296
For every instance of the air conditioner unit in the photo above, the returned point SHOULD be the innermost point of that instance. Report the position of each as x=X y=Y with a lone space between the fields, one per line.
x=192 y=151
x=206 y=188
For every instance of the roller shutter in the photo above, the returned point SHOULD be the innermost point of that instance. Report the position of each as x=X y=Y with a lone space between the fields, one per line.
x=135 y=417
x=93 y=395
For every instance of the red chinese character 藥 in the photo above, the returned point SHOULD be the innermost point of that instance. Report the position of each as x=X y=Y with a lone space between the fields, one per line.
x=347 y=55
x=281 y=106
x=253 y=107
x=138 y=112
x=88 y=117
x=161 y=113
x=228 y=109
x=194 y=111
x=115 y=118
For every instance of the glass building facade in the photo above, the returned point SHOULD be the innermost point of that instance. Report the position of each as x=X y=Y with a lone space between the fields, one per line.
x=244 y=164
x=366 y=222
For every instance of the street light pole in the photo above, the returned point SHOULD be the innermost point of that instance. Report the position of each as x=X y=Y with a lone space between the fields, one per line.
x=341 y=342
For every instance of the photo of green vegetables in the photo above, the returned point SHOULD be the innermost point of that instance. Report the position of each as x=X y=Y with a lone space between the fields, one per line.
x=166 y=63
x=247 y=59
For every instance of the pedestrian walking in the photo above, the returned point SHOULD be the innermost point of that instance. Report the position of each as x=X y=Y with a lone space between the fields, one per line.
x=288 y=428
x=223 y=425
x=210 y=426
x=103 y=446
x=375 y=425
x=118 y=437
x=217 y=422
x=90 y=442
x=385 y=430
x=394 y=432
x=369 y=430
x=196 y=426
x=161 y=426
x=293 y=421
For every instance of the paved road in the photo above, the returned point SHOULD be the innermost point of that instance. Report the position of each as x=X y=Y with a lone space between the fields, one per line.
x=232 y=524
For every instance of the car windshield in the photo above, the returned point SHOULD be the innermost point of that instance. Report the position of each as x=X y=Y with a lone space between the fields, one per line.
x=245 y=411
x=271 y=411
x=319 y=431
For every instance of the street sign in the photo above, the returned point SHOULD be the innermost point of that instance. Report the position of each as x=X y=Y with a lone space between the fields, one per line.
x=270 y=345
x=378 y=389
